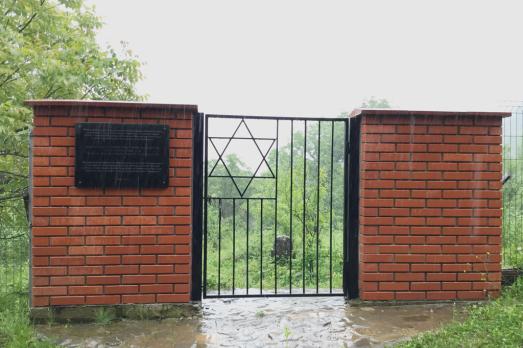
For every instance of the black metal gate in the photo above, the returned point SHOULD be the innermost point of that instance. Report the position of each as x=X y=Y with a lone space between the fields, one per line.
x=279 y=211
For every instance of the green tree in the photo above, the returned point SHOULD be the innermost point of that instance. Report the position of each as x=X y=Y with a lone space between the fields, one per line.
x=311 y=227
x=374 y=102
x=48 y=49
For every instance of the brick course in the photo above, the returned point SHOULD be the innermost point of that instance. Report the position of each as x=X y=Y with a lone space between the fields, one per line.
x=430 y=205
x=114 y=246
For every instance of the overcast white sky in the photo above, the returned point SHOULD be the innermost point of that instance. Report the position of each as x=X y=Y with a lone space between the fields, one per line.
x=312 y=58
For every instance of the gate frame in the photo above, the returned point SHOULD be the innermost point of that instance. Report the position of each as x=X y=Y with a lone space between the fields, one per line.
x=352 y=163
x=351 y=205
x=198 y=138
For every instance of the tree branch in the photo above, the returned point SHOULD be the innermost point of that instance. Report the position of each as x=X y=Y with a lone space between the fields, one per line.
x=9 y=78
x=16 y=154
x=33 y=16
x=14 y=237
x=28 y=22
x=23 y=129
x=13 y=174
x=15 y=195
x=51 y=91
x=87 y=92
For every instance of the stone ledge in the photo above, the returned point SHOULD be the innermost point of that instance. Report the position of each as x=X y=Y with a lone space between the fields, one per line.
x=86 y=314
x=109 y=104
x=407 y=112
x=388 y=303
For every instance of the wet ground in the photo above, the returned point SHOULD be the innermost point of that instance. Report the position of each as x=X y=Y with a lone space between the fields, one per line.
x=262 y=322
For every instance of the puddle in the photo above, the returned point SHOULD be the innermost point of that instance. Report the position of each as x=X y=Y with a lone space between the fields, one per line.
x=262 y=322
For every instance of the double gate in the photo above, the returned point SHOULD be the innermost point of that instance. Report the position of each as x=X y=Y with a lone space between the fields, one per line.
x=280 y=206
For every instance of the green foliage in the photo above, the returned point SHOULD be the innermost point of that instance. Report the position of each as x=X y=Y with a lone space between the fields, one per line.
x=14 y=262
x=48 y=50
x=513 y=203
x=286 y=333
x=310 y=231
x=13 y=278
x=16 y=330
x=104 y=316
x=373 y=102
x=497 y=324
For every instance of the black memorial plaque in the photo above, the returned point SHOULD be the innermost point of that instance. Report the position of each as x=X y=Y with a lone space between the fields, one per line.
x=121 y=155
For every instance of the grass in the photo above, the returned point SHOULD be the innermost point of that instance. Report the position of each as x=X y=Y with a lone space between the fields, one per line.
x=16 y=329
x=261 y=263
x=496 y=324
x=104 y=316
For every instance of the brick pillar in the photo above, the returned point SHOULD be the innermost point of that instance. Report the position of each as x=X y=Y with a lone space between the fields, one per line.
x=430 y=205
x=108 y=246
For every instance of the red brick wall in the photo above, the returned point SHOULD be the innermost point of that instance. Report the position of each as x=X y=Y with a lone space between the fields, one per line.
x=430 y=210
x=430 y=205
x=112 y=246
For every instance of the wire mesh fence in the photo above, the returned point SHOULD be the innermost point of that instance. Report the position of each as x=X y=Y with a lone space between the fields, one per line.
x=14 y=261
x=512 y=234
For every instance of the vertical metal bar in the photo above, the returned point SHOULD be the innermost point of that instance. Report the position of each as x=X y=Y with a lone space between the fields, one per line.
x=504 y=166
x=507 y=142
x=318 y=212
x=206 y=212
x=304 y=205
x=276 y=213
x=247 y=254
x=3 y=262
x=519 y=239
x=261 y=246
x=519 y=128
x=517 y=196
x=519 y=257
x=507 y=211
x=330 y=208
x=514 y=160
x=290 y=208
x=219 y=243
x=15 y=269
x=233 y=245
x=513 y=190
x=197 y=202
x=351 y=221
x=346 y=198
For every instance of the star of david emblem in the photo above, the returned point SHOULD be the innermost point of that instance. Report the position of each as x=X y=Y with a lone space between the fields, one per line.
x=262 y=148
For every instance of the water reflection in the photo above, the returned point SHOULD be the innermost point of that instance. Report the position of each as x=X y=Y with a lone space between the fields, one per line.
x=261 y=322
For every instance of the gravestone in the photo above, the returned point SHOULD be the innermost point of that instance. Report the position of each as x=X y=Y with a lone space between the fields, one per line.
x=282 y=247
